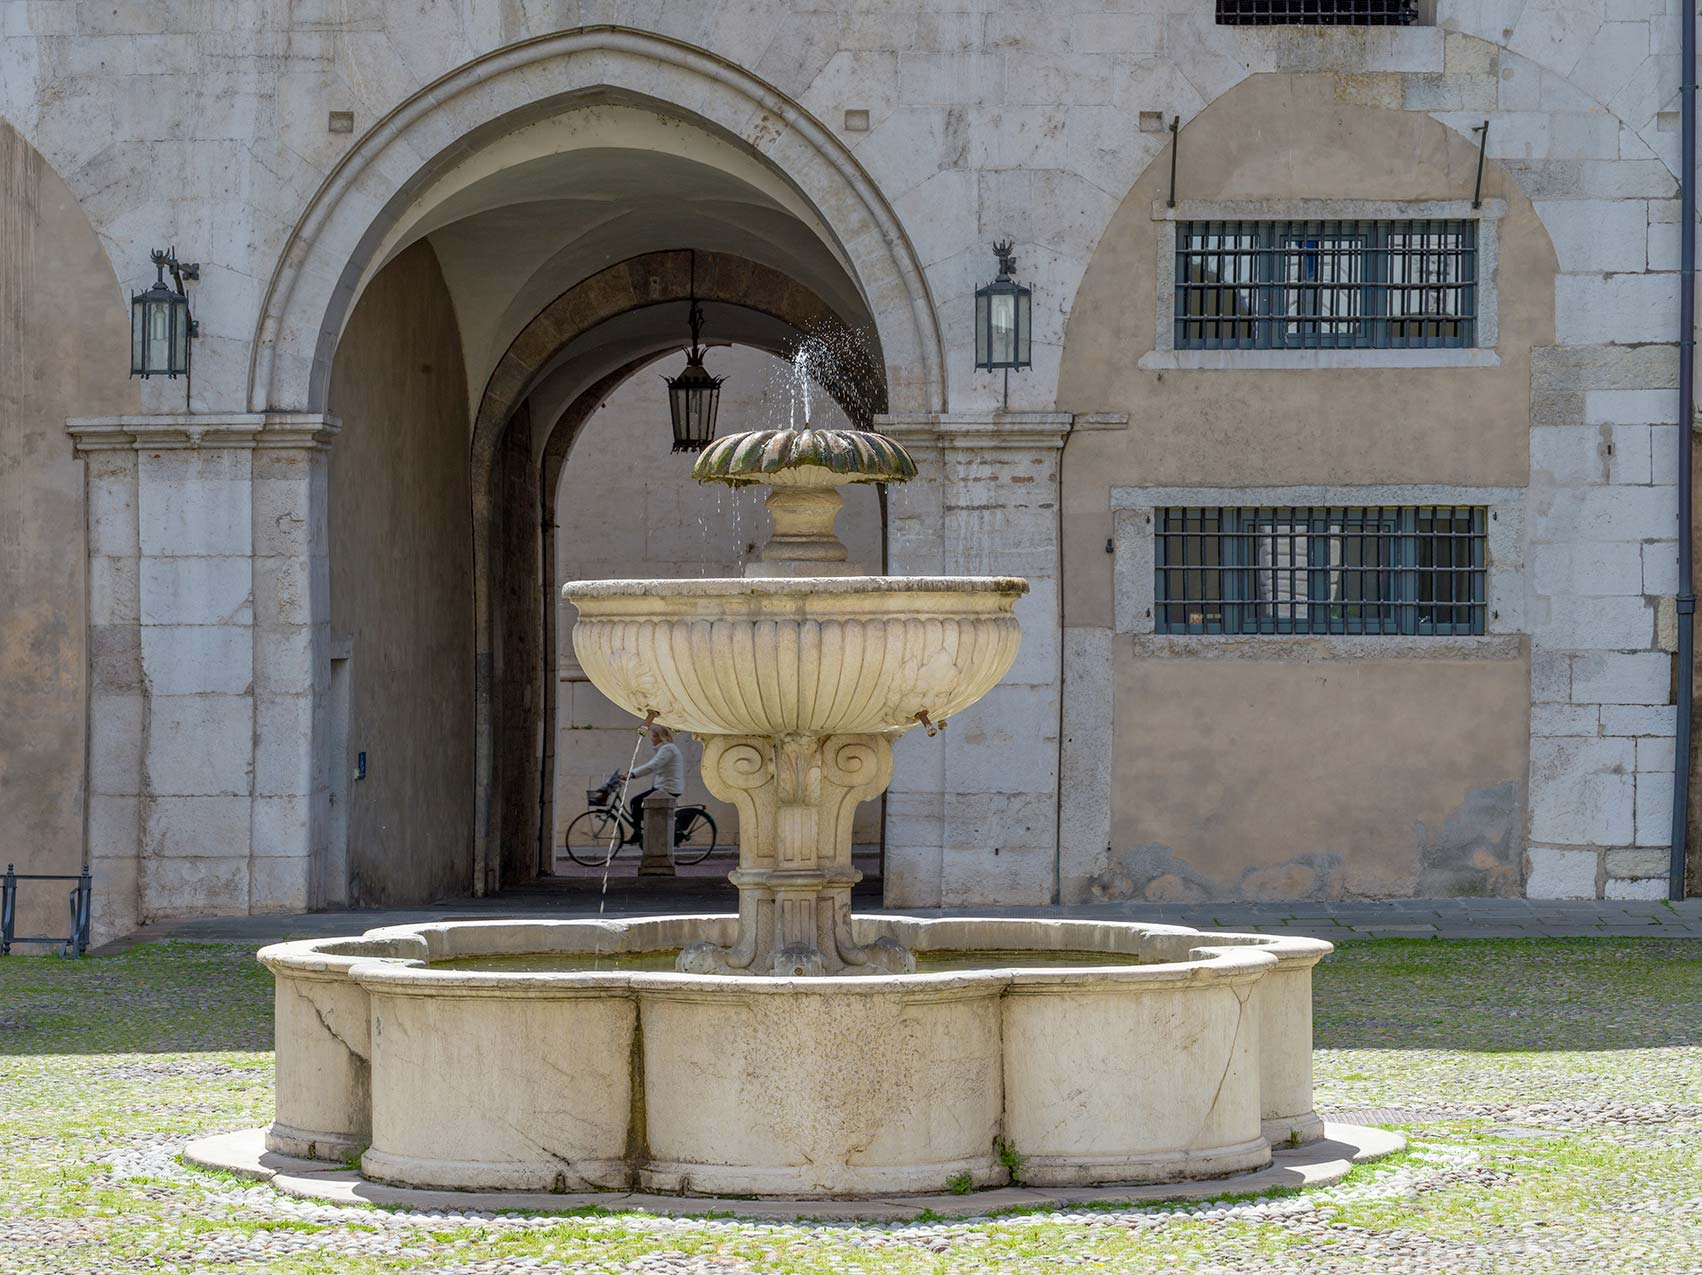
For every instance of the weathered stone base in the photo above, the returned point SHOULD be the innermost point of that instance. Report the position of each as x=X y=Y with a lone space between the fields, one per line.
x=1292 y=1131
x=518 y=1175
x=1242 y=1157
x=306 y=1144
x=1322 y=1162
x=868 y=1181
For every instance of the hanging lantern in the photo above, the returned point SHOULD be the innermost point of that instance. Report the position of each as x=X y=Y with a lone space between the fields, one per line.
x=1003 y=318
x=694 y=395
x=160 y=325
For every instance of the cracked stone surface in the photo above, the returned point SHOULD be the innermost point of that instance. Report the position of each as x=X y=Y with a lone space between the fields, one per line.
x=1550 y=1090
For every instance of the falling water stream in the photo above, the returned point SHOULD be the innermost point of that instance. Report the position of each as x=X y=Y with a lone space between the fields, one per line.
x=620 y=805
x=615 y=838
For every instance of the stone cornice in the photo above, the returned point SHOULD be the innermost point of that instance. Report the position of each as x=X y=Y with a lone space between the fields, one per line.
x=995 y=429
x=184 y=430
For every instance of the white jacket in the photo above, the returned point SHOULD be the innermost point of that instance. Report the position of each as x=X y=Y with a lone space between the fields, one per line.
x=669 y=767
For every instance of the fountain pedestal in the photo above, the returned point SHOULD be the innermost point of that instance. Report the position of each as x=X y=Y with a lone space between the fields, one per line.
x=656 y=836
x=797 y=678
x=796 y=795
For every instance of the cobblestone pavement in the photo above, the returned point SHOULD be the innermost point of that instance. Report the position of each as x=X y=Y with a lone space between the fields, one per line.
x=1552 y=1090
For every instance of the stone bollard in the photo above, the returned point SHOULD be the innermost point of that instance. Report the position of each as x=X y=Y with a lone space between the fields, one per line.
x=658 y=860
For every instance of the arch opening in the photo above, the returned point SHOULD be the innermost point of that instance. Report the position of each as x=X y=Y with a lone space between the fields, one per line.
x=552 y=248
x=455 y=134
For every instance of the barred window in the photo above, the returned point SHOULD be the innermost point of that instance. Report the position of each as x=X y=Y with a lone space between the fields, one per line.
x=1308 y=569
x=1356 y=13
x=1264 y=285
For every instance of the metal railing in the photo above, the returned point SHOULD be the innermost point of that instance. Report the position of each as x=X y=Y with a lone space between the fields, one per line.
x=1272 y=285
x=1357 y=13
x=81 y=900
x=1350 y=570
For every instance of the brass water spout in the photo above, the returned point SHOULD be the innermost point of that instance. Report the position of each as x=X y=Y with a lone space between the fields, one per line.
x=932 y=727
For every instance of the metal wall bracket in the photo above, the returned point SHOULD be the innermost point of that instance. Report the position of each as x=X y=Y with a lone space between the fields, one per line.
x=1175 y=145
x=1482 y=145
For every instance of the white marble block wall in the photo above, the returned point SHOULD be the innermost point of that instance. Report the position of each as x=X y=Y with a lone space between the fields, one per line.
x=972 y=814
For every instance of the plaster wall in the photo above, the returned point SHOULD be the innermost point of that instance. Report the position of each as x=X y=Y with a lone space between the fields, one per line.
x=401 y=586
x=1320 y=779
x=1270 y=139
x=1244 y=772
x=64 y=348
x=627 y=509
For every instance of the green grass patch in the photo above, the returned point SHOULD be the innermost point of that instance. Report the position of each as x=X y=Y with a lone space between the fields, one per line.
x=1568 y=1071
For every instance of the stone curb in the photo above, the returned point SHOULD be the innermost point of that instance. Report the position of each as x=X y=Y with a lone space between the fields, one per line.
x=1321 y=1163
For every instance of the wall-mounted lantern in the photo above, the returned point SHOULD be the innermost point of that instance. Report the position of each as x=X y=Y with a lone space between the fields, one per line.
x=1003 y=318
x=160 y=326
x=694 y=395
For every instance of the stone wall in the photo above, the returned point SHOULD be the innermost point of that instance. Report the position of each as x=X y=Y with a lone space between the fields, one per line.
x=921 y=133
x=401 y=587
x=972 y=813
x=64 y=350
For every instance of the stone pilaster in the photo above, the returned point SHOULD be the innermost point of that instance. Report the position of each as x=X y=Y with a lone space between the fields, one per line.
x=292 y=671
x=972 y=814
x=117 y=703
x=209 y=612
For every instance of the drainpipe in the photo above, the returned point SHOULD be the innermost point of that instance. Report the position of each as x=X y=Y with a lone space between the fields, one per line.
x=1686 y=379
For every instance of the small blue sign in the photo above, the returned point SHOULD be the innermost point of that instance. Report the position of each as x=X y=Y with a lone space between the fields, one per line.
x=360 y=765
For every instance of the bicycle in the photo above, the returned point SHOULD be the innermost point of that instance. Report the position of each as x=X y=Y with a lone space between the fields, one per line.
x=592 y=840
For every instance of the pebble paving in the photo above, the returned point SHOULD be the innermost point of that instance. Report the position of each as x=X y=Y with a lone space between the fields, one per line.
x=1551 y=1090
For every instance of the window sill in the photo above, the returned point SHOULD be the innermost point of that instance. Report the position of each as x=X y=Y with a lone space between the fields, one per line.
x=1341 y=49
x=1491 y=210
x=1312 y=360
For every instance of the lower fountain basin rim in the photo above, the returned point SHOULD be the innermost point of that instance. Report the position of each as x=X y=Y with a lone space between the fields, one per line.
x=1212 y=958
x=410 y=977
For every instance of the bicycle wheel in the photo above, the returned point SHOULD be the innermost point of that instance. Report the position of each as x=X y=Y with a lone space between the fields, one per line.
x=699 y=824
x=589 y=835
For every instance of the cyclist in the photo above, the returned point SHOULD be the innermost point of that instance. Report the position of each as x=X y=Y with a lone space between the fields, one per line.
x=669 y=767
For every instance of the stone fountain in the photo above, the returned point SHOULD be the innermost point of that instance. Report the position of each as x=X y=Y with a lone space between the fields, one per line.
x=795 y=1049
x=798 y=678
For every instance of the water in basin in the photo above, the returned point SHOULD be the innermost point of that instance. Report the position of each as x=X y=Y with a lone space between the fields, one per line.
x=638 y=962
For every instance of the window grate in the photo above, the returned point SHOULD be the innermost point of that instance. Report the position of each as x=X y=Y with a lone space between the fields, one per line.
x=1263 y=285
x=1321 y=569
x=1358 y=13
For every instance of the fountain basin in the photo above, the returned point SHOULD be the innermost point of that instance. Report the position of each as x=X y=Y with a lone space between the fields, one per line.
x=1183 y=1056
x=808 y=655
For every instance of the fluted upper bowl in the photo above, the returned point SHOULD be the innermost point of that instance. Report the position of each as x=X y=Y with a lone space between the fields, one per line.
x=818 y=656
x=804 y=458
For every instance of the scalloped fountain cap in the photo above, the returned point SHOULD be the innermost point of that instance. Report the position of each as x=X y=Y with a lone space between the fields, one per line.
x=804 y=457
